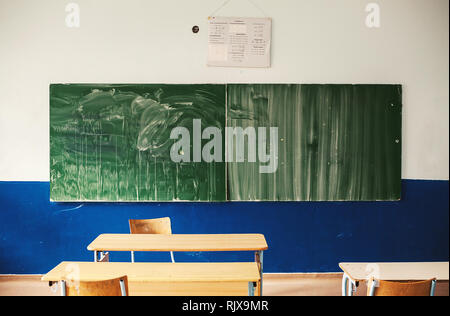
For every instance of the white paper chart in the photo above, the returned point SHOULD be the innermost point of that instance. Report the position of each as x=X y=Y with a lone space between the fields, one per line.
x=239 y=42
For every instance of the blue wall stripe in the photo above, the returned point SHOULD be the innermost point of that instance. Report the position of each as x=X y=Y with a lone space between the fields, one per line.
x=36 y=234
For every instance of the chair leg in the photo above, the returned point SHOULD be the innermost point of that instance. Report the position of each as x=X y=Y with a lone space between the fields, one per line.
x=122 y=288
x=433 y=288
x=373 y=284
x=132 y=256
x=171 y=257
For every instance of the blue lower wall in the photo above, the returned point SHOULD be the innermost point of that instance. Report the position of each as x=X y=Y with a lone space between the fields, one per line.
x=36 y=235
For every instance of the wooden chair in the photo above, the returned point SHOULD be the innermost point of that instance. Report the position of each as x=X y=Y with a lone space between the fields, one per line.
x=393 y=288
x=114 y=287
x=151 y=226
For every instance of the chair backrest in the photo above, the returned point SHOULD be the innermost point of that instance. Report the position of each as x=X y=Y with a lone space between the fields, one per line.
x=151 y=226
x=114 y=287
x=394 y=288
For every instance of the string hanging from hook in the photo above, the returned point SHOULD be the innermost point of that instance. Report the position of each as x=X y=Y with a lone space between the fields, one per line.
x=226 y=2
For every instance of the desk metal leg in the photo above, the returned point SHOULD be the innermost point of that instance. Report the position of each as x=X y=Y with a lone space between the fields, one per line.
x=345 y=280
x=251 y=289
x=348 y=286
x=104 y=257
x=63 y=287
x=351 y=287
x=259 y=258
x=100 y=256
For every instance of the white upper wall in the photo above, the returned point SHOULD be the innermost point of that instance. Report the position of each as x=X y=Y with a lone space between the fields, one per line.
x=149 y=41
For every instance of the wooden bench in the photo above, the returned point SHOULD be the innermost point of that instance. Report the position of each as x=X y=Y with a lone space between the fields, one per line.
x=167 y=279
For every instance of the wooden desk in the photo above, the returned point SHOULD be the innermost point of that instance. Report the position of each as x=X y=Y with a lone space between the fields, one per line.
x=391 y=271
x=193 y=279
x=180 y=243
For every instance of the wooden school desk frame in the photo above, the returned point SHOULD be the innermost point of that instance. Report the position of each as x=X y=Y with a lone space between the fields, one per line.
x=106 y=243
x=164 y=278
x=390 y=271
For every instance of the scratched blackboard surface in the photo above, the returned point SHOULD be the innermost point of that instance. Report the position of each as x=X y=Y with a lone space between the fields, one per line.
x=112 y=142
x=336 y=142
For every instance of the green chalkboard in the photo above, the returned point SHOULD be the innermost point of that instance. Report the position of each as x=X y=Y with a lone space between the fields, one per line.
x=238 y=142
x=336 y=142
x=112 y=142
